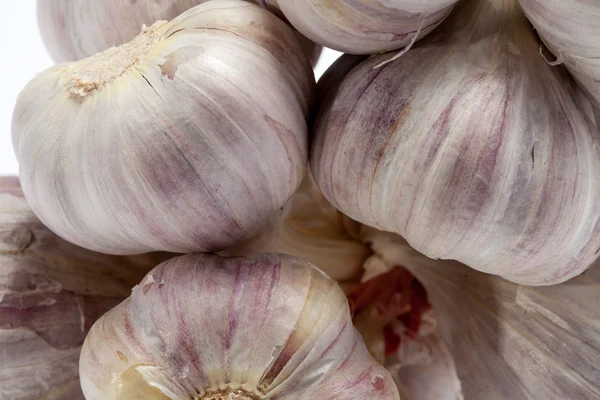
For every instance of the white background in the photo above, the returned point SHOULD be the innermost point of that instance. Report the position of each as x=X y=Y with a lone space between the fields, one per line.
x=24 y=55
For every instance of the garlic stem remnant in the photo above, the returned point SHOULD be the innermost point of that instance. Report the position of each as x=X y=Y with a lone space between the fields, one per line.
x=571 y=30
x=499 y=172
x=509 y=341
x=188 y=138
x=264 y=327
x=359 y=27
x=76 y=29
x=51 y=292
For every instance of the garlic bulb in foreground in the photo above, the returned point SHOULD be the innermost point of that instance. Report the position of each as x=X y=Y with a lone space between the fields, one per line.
x=359 y=27
x=471 y=147
x=571 y=30
x=510 y=341
x=50 y=294
x=205 y=327
x=76 y=29
x=188 y=138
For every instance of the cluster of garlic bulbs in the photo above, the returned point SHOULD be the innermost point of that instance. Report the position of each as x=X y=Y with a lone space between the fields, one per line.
x=209 y=328
x=188 y=138
x=471 y=147
x=51 y=292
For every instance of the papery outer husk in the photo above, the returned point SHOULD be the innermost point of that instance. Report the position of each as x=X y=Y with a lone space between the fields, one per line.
x=76 y=29
x=571 y=31
x=273 y=325
x=314 y=230
x=51 y=292
x=508 y=187
x=359 y=27
x=509 y=341
x=206 y=139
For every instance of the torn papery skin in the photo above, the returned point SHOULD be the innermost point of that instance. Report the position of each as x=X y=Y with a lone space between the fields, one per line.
x=51 y=292
x=509 y=341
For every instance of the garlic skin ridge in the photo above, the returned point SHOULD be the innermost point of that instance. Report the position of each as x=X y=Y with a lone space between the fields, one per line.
x=181 y=165
x=51 y=292
x=499 y=174
x=364 y=27
x=206 y=327
x=571 y=31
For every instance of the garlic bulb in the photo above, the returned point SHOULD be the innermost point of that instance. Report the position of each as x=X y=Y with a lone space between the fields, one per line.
x=50 y=294
x=510 y=341
x=359 y=27
x=206 y=327
x=188 y=138
x=76 y=29
x=471 y=147
x=571 y=30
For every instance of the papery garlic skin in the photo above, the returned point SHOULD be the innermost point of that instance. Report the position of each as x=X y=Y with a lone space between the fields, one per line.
x=76 y=29
x=312 y=229
x=188 y=138
x=364 y=27
x=571 y=30
x=499 y=172
x=203 y=326
x=50 y=294
x=510 y=341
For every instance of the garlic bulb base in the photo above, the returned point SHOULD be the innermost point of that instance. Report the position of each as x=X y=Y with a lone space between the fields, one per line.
x=229 y=394
x=92 y=73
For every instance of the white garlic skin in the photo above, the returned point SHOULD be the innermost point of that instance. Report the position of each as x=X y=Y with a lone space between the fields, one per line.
x=51 y=292
x=364 y=27
x=76 y=29
x=202 y=326
x=188 y=138
x=471 y=147
x=510 y=341
x=571 y=29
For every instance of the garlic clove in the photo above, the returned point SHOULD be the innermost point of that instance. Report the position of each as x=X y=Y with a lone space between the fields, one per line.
x=203 y=326
x=364 y=27
x=51 y=292
x=507 y=340
x=180 y=165
x=491 y=175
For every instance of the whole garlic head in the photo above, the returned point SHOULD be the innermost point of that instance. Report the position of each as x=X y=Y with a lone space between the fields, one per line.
x=364 y=27
x=205 y=327
x=471 y=147
x=188 y=138
x=51 y=292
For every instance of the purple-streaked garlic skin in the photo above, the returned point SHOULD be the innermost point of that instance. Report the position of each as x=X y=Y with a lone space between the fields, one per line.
x=270 y=326
x=76 y=29
x=364 y=27
x=471 y=147
x=190 y=139
x=571 y=31
x=509 y=341
x=51 y=292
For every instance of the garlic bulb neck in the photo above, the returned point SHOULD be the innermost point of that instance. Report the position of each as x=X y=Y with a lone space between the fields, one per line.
x=94 y=72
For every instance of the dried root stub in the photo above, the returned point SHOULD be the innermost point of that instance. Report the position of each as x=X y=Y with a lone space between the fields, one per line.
x=207 y=327
x=51 y=292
